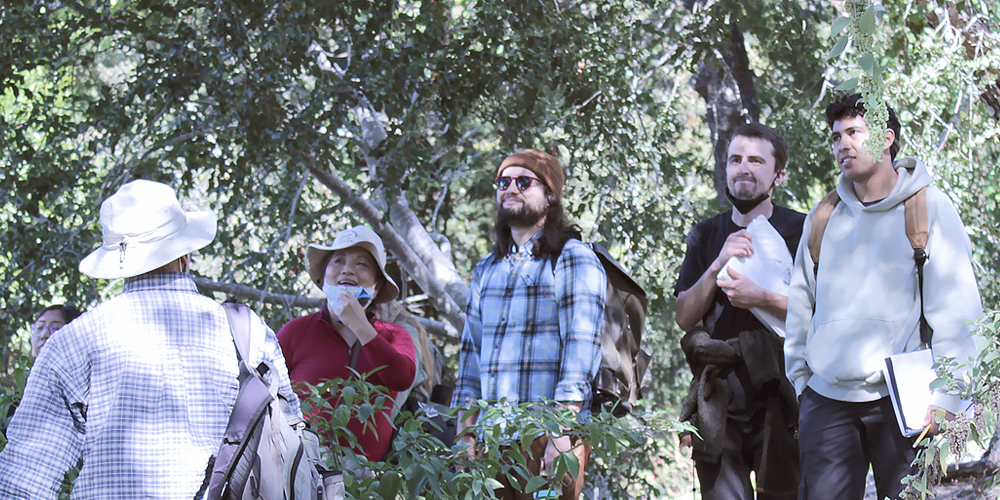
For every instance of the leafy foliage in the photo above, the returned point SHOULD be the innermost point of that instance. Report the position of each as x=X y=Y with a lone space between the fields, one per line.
x=229 y=101
x=419 y=465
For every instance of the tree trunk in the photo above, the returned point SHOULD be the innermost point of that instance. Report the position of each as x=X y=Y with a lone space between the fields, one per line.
x=414 y=266
x=433 y=327
x=423 y=261
x=420 y=241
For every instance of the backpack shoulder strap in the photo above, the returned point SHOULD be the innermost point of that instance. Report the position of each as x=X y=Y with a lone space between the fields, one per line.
x=820 y=218
x=915 y=213
x=251 y=401
x=239 y=327
x=915 y=209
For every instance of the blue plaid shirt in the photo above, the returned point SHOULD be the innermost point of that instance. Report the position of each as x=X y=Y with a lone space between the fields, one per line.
x=140 y=389
x=532 y=331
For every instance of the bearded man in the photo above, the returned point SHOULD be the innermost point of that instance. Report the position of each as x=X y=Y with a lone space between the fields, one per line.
x=535 y=313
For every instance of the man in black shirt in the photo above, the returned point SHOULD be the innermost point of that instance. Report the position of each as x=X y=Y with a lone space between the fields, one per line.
x=740 y=400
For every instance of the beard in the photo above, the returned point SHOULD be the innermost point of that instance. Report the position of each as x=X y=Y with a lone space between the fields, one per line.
x=743 y=190
x=521 y=216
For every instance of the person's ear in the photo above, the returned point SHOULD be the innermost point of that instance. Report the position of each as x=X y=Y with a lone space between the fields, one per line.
x=890 y=138
x=780 y=176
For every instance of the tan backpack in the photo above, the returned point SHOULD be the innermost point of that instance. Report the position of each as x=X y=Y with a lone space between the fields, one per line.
x=915 y=213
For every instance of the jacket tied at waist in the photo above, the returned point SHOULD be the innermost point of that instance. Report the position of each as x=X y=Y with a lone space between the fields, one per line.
x=706 y=405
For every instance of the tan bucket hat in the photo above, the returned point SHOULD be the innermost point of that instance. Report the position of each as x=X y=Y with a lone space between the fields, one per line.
x=357 y=236
x=144 y=228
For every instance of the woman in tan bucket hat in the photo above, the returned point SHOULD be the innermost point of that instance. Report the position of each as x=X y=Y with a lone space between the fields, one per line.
x=325 y=345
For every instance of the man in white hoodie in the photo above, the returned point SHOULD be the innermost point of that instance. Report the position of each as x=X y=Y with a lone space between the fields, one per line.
x=862 y=304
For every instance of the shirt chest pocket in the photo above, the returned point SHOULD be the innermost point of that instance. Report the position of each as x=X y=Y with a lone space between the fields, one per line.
x=542 y=305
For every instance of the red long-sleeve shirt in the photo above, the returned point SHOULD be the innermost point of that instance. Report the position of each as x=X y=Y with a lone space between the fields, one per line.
x=315 y=352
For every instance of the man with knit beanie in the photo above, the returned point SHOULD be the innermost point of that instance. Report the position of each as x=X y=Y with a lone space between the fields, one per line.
x=740 y=401
x=535 y=313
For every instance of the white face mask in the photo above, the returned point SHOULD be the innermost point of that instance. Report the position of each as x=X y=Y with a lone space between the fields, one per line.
x=364 y=295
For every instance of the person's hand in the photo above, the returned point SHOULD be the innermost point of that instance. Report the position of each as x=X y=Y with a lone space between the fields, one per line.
x=467 y=456
x=686 y=440
x=556 y=446
x=349 y=311
x=929 y=419
x=738 y=244
x=742 y=292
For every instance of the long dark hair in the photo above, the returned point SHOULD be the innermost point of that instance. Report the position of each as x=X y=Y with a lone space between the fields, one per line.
x=555 y=233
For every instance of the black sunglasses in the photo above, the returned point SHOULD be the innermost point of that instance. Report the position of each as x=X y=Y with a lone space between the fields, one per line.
x=523 y=182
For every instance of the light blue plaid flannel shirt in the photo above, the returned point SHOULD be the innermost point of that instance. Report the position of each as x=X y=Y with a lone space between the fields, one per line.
x=140 y=389
x=533 y=332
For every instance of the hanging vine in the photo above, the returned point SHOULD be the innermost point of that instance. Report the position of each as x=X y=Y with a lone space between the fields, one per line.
x=860 y=30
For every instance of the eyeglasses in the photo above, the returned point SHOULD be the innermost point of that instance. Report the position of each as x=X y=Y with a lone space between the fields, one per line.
x=523 y=182
x=43 y=327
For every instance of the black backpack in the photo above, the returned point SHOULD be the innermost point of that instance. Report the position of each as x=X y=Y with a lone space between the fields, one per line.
x=624 y=362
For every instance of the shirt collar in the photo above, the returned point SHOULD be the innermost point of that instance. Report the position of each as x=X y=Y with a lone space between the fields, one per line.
x=524 y=252
x=161 y=281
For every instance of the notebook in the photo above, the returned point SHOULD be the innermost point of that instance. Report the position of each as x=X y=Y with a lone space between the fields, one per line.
x=909 y=376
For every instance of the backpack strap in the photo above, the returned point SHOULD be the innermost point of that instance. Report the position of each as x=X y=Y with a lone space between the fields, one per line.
x=355 y=350
x=820 y=218
x=915 y=213
x=251 y=402
x=239 y=326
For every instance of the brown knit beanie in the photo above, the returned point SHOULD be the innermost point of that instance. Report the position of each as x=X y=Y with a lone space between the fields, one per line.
x=544 y=165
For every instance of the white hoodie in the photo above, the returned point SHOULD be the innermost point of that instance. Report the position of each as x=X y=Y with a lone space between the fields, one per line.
x=866 y=298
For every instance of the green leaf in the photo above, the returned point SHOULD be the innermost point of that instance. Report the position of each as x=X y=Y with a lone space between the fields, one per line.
x=867 y=63
x=389 y=484
x=365 y=412
x=866 y=24
x=348 y=395
x=838 y=47
x=838 y=26
x=534 y=483
x=848 y=85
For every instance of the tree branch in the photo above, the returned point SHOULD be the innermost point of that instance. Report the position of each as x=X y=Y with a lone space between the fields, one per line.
x=437 y=328
x=419 y=271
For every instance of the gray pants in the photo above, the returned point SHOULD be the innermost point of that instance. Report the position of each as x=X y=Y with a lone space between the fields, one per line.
x=839 y=440
x=730 y=478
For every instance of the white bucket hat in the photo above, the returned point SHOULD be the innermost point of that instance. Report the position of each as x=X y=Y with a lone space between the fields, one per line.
x=144 y=228
x=357 y=236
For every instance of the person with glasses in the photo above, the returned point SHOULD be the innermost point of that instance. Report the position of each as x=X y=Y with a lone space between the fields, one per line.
x=740 y=401
x=535 y=312
x=47 y=322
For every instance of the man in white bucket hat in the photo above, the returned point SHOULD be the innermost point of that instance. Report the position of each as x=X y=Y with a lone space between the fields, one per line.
x=140 y=388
